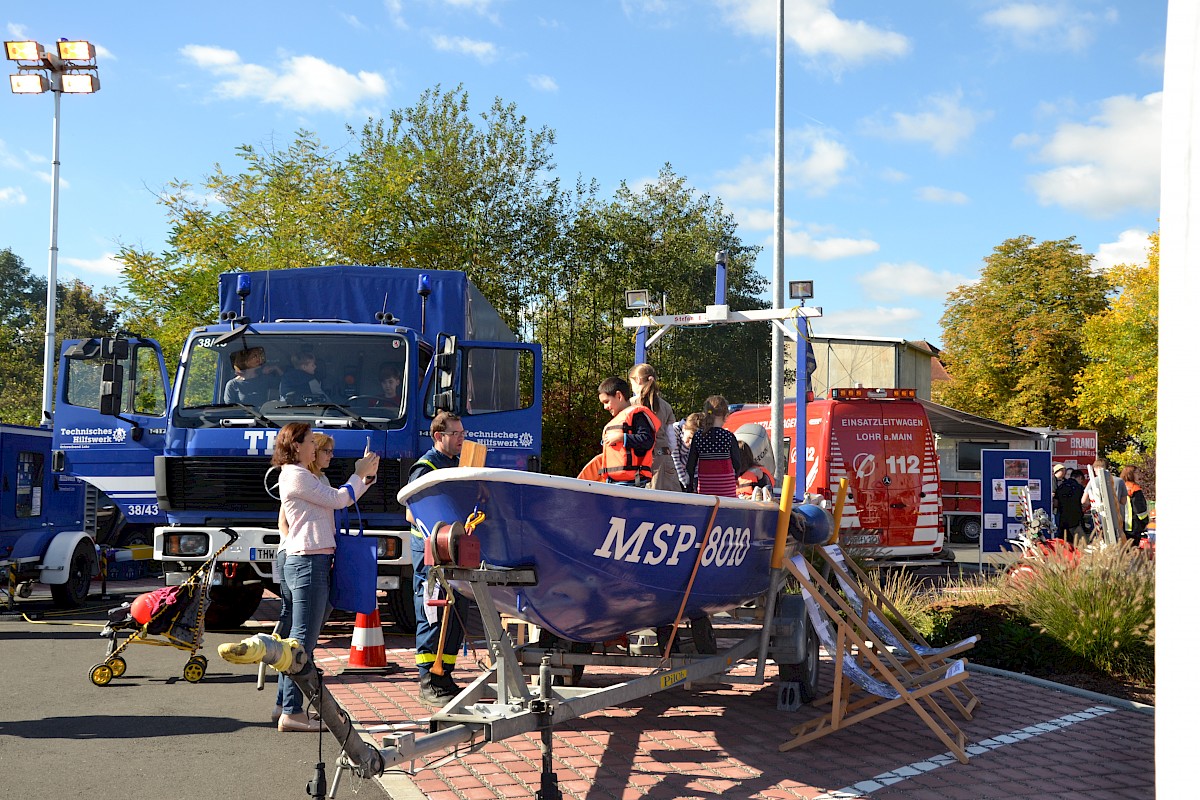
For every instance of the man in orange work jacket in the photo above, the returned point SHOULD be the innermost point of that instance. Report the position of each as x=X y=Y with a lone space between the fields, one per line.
x=628 y=440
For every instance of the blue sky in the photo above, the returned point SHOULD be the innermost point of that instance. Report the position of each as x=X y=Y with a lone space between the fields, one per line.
x=918 y=135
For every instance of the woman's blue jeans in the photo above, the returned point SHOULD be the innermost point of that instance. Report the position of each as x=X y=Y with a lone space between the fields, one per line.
x=306 y=581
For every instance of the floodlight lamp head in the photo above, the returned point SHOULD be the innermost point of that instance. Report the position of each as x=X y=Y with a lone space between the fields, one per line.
x=23 y=51
x=76 y=51
x=723 y=257
x=29 y=83
x=637 y=299
x=800 y=290
x=80 y=83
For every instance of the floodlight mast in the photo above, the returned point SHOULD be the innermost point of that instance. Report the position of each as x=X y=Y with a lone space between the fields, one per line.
x=75 y=61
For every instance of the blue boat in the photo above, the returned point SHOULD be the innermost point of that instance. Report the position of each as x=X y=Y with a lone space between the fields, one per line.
x=609 y=559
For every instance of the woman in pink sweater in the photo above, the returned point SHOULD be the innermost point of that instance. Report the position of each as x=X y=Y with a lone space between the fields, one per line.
x=308 y=506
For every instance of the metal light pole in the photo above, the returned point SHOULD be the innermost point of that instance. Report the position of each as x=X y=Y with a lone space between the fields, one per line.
x=71 y=70
x=777 y=351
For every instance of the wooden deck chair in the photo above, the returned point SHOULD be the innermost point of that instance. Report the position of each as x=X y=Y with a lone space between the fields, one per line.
x=870 y=603
x=885 y=683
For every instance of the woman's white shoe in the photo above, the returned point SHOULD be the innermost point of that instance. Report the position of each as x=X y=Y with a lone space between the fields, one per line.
x=299 y=723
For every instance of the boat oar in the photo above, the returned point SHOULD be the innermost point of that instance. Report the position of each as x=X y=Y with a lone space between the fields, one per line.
x=666 y=651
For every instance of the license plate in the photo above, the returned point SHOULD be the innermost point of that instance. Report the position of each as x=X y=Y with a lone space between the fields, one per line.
x=262 y=553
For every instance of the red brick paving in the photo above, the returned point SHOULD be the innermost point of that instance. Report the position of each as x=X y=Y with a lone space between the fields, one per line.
x=723 y=741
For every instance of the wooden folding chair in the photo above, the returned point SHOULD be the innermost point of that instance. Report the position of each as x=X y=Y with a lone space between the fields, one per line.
x=864 y=690
x=870 y=603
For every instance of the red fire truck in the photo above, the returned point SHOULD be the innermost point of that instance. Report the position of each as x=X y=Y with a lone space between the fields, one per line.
x=881 y=442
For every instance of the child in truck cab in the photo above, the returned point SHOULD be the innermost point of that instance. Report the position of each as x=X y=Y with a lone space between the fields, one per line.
x=252 y=382
x=300 y=385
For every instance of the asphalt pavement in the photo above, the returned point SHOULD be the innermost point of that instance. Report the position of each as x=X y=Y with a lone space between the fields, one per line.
x=149 y=735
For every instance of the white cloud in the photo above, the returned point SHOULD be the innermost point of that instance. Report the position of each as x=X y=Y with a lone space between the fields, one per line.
x=878 y=321
x=1132 y=247
x=944 y=123
x=106 y=264
x=802 y=243
x=1107 y=165
x=17 y=32
x=395 y=12
x=817 y=165
x=484 y=52
x=12 y=196
x=1047 y=25
x=306 y=83
x=889 y=281
x=893 y=175
x=813 y=27
x=936 y=194
x=543 y=83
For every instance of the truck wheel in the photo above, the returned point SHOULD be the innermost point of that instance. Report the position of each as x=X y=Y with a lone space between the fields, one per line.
x=79 y=578
x=808 y=672
x=401 y=606
x=230 y=606
x=970 y=529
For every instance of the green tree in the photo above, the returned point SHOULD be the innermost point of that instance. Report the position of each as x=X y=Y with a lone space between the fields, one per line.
x=1011 y=341
x=663 y=238
x=79 y=314
x=1118 y=387
x=287 y=208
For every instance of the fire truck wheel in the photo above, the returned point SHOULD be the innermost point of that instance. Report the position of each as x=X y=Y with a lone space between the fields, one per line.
x=230 y=606
x=970 y=529
x=102 y=674
x=79 y=578
x=400 y=605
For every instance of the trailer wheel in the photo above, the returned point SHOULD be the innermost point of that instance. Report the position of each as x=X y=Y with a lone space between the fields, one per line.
x=230 y=606
x=102 y=674
x=808 y=672
x=79 y=578
x=401 y=605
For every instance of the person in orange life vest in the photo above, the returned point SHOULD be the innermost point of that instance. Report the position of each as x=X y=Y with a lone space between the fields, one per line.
x=1137 y=510
x=628 y=440
x=755 y=476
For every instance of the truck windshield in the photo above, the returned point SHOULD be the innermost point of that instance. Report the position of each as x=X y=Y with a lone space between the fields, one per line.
x=273 y=378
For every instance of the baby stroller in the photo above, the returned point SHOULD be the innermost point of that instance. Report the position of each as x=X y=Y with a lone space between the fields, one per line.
x=169 y=617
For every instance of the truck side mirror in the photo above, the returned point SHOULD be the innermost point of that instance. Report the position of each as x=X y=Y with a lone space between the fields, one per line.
x=112 y=382
x=116 y=349
x=444 y=401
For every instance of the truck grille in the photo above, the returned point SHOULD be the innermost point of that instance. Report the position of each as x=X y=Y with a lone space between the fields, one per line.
x=235 y=485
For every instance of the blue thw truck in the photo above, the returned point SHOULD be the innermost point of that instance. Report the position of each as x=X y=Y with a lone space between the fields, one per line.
x=197 y=455
x=47 y=521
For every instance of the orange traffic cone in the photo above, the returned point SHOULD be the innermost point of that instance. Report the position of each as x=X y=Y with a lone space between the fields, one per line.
x=367 y=652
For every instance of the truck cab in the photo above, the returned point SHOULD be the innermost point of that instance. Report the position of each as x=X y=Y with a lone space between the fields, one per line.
x=367 y=355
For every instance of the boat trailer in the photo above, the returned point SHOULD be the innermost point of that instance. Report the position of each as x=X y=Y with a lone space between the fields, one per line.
x=517 y=693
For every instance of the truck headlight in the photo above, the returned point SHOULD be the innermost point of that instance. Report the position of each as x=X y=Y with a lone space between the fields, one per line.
x=185 y=544
x=388 y=548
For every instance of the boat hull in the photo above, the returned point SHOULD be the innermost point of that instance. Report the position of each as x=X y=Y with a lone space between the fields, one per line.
x=609 y=559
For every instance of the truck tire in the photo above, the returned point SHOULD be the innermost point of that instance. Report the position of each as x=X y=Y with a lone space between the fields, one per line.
x=808 y=672
x=969 y=529
x=230 y=606
x=401 y=605
x=79 y=577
